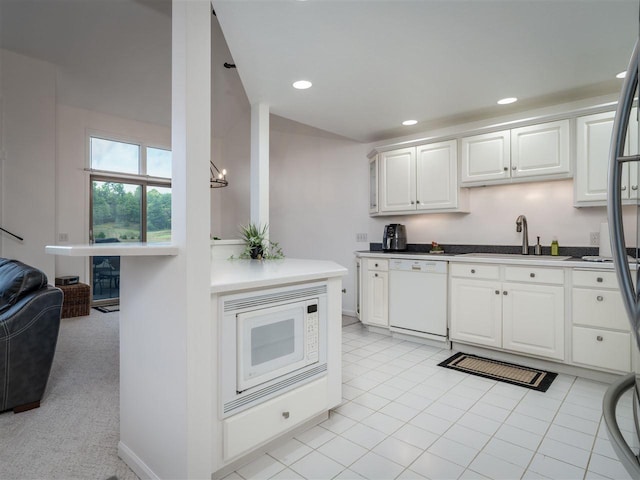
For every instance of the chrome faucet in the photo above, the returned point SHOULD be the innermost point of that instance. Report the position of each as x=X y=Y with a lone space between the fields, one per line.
x=520 y=222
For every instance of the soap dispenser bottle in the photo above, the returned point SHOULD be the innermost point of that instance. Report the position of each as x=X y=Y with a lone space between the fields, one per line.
x=538 y=248
x=554 y=246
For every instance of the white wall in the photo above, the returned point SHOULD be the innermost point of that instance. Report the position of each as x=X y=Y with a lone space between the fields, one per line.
x=318 y=196
x=548 y=207
x=72 y=197
x=230 y=137
x=28 y=170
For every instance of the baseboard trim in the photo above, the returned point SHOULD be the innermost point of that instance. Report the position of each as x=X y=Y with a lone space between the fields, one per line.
x=349 y=313
x=135 y=463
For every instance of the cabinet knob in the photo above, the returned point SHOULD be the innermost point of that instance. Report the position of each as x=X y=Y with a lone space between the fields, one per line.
x=376 y=264
x=624 y=188
x=473 y=270
x=417 y=202
x=344 y=290
x=375 y=274
x=532 y=275
x=506 y=169
x=599 y=338
x=497 y=292
x=599 y=298
x=285 y=414
x=505 y=293
x=599 y=280
x=634 y=187
x=514 y=168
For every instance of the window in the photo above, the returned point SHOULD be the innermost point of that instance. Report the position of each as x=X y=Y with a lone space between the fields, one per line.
x=130 y=202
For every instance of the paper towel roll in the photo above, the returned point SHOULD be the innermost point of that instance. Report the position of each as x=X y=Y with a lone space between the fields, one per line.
x=605 y=243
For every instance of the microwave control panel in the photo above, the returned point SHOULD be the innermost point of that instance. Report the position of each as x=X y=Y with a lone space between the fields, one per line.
x=312 y=333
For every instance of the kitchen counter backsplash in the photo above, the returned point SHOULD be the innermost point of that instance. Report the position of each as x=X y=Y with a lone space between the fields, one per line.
x=452 y=249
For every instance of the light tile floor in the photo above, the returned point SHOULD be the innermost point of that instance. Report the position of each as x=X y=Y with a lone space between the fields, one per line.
x=404 y=417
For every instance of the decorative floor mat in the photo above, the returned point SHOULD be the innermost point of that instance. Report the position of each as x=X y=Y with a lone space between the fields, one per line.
x=108 y=308
x=532 y=378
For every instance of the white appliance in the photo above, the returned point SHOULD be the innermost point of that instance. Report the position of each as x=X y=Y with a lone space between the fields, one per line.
x=418 y=298
x=630 y=295
x=271 y=341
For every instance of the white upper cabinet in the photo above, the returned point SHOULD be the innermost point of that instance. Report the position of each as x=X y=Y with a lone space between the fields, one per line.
x=486 y=157
x=398 y=180
x=593 y=141
x=373 y=184
x=533 y=152
x=437 y=176
x=420 y=179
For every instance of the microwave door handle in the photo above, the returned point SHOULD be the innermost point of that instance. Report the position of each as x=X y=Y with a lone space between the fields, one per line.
x=614 y=200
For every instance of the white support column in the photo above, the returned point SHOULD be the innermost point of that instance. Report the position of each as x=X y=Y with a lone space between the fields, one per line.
x=260 y=164
x=167 y=347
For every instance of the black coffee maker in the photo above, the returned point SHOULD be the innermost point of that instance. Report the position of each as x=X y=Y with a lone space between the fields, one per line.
x=394 y=237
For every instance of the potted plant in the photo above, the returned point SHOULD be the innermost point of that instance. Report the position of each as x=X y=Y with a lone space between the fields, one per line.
x=257 y=245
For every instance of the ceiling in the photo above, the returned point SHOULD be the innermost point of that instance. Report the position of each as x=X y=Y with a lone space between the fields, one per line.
x=373 y=63
x=376 y=63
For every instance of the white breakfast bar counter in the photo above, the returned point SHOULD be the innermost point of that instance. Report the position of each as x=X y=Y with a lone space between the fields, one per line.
x=238 y=274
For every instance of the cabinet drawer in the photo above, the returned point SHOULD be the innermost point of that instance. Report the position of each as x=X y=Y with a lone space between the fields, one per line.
x=534 y=275
x=377 y=264
x=599 y=308
x=594 y=278
x=263 y=423
x=602 y=348
x=465 y=270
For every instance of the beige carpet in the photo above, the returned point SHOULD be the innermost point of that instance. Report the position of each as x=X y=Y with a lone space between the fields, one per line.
x=74 y=434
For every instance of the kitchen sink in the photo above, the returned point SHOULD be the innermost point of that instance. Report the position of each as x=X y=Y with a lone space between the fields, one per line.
x=498 y=256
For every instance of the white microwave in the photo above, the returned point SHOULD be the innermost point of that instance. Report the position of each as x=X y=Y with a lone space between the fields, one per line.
x=271 y=342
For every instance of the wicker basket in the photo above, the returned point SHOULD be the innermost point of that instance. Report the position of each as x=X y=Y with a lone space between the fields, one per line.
x=77 y=299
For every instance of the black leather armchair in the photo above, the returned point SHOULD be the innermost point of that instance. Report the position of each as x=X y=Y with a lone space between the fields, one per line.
x=30 y=312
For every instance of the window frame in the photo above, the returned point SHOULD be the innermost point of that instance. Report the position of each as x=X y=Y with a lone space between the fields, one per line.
x=142 y=179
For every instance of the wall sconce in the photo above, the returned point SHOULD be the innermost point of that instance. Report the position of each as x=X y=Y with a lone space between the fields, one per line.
x=218 y=178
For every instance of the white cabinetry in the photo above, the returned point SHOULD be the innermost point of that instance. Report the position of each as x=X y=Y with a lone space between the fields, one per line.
x=593 y=140
x=373 y=185
x=600 y=332
x=515 y=308
x=260 y=424
x=533 y=152
x=421 y=179
x=533 y=311
x=375 y=289
x=476 y=304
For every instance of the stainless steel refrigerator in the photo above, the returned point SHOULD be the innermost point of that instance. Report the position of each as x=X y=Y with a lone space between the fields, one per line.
x=626 y=270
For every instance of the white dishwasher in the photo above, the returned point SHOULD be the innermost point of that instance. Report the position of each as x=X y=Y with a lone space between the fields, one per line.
x=418 y=298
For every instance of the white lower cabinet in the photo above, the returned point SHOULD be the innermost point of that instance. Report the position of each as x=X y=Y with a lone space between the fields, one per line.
x=476 y=311
x=533 y=319
x=375 y=290
x=600 y=331
x=265 y=422
x=526 y=316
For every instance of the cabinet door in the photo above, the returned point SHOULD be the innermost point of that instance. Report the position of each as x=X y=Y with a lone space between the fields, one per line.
x=373 y=185
x=533 y=319
x=486 y=157
x=476 y=311
x=377 y=298
x=398 y=180
x=593 y=134
x=437 y=176
x=541 y=149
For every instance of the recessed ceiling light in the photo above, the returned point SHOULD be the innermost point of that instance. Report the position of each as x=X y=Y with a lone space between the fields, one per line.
x=507 y=101
x=622 y=74
x=409 y=122
x=302 y=84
